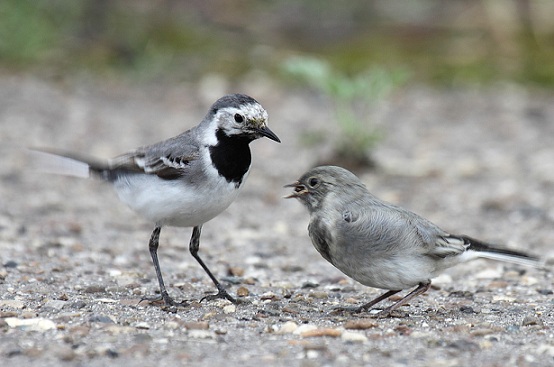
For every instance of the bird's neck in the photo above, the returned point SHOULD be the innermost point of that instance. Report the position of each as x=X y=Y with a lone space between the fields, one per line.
x=231 y=157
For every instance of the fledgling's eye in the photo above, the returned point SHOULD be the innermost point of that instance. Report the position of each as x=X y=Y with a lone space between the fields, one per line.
x=313 y=182
x=239 y=118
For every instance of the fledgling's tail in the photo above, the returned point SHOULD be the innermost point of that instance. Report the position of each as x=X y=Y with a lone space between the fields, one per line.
x=488 y=251
x=68 y=164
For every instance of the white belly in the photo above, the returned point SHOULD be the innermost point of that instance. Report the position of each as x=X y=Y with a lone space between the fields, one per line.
x=172 y=202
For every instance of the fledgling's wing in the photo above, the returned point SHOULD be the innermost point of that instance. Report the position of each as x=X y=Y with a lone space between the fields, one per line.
x=386 y=227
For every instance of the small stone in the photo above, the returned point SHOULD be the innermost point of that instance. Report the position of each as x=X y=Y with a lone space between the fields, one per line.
x=142 y=325
x=12 y=303
x=318 y=295
x=28 y=315
x=36 y=324
x=482 y=332
x=531 y=320
x=236 y=271
x=467 y=310
x=489 y=274
x=269 y=296
x=362 y=324
x=229 y=309
x=310 y=285
x=202 y=325
x=303 y=328
x=498 y=284
x=242 y=292
x=95 y=289
x=545 y=292
x=352 y=337
x=4 y=314
x=319 y=332
x=10 y=264
x=101 y=318
x=66 y=354
x=201 y=334
x=54 y=305
x=287 y=328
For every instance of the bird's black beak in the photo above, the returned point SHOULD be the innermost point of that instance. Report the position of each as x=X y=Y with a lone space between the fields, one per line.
x=299 y=190
x=268 y=133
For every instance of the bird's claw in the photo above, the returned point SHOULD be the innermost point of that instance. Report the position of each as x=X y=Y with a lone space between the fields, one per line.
x=221 y=294
x=164 y=300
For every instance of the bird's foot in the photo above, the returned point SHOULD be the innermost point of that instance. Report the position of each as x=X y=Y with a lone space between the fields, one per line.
x=344 y=309
x=165 y=301
x=388 y=313
x=221 y=294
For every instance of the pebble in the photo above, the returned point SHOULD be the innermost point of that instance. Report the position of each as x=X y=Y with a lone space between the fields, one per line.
x=55 y=305
x=303 y=328
x=12 y=303
x=489 y=274
x=318 y=295
x=101 y=318
x=142 y=325
x=531 y=320
x=36 y=324
x=229 y=309
x=320 y=332
x=201 y=334
x=96 y=288
x=242 y=292
x=201 y=325
x=353 y=337
x=288 y=327
x=362 y=324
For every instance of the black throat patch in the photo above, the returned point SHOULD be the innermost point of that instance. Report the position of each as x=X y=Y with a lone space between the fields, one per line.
x=231 y=156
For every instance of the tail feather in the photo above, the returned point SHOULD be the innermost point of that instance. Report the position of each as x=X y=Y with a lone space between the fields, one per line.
x=488 y=251
x=68 y=164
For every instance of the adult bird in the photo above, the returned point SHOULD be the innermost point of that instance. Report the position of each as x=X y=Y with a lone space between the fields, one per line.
x=184 y=181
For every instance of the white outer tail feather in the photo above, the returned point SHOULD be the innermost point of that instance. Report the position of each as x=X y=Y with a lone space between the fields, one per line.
x=56 y=164
x=472 y=254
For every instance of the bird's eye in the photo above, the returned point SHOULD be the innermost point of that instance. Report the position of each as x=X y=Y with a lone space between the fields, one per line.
x=239 y=118
x=313 y=182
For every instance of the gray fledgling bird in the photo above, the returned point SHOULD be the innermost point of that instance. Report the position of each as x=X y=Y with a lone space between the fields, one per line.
x=184 y=181
x=379 y=244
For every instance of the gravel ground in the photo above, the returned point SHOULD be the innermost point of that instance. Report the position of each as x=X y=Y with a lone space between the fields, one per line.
x=75 y=262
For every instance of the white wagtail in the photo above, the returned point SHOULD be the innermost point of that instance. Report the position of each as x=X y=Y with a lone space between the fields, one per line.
x=183 y=181
x=379 y=244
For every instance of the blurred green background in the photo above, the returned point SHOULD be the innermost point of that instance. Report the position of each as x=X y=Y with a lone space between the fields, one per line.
x=444 y=42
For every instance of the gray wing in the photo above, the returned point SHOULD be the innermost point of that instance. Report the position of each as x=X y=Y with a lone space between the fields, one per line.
x=168 y=159
x=386 y=227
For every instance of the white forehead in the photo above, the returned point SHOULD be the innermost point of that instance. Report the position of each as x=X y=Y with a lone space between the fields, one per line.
x=251 y=111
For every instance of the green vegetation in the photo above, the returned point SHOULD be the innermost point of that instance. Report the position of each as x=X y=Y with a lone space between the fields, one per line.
x=352 y=99
x=441 y=42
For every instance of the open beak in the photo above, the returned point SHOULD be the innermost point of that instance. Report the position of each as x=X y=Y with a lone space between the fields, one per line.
x=268 y=133
x=299 y=190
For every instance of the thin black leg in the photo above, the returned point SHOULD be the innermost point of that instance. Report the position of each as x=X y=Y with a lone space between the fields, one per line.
x=194 y=246
x=153 y=247
x=421 y=288
x=375 y=301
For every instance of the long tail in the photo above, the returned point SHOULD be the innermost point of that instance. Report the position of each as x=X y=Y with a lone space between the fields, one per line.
x=488 y=251
x=68 y=164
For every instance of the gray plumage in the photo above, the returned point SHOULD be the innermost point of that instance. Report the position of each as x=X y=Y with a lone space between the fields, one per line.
x=380 y=244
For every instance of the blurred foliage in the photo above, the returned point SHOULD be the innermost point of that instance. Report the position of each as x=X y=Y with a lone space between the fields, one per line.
x=352 y=99
x=447 y=42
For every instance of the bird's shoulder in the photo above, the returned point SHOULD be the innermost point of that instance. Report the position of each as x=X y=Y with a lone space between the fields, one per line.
x=168 y=159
